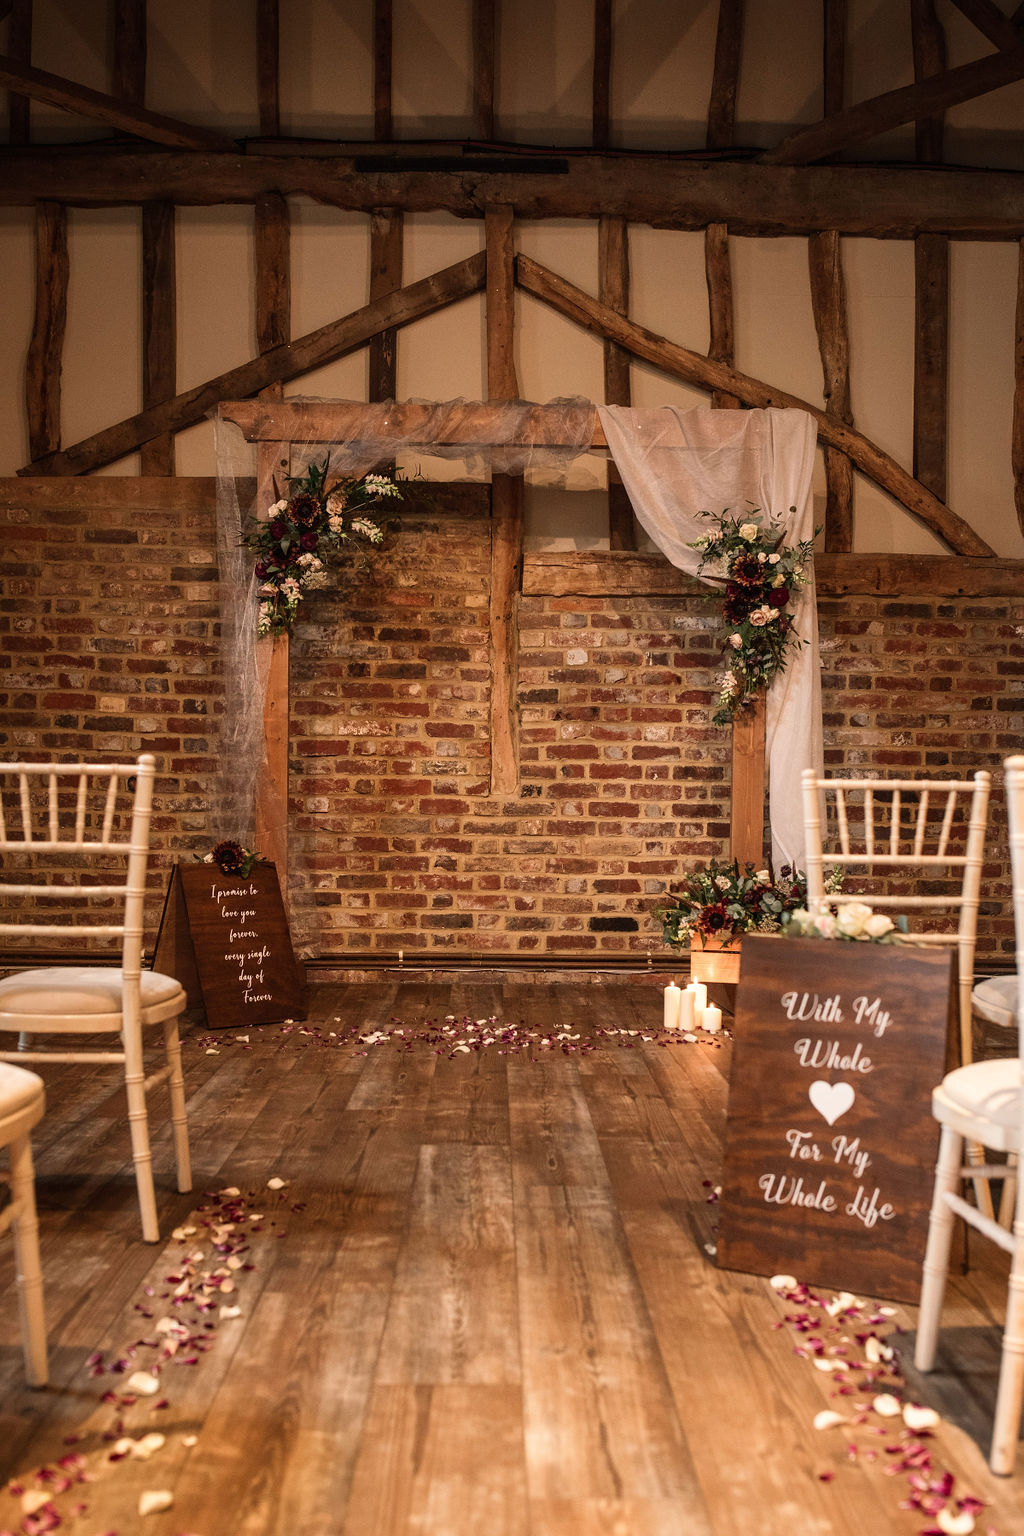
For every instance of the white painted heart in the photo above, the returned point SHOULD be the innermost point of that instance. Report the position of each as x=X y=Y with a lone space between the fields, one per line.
x=831 y=1099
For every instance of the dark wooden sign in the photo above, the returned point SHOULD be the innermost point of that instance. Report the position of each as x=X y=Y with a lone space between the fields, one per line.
x=226 y=937
x=830 y=1143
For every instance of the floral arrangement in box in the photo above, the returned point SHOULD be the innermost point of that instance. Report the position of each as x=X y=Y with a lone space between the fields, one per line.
x=761 y=575
x=721 y=902
x=231 y=858
x=305 y=534
x=850 y=920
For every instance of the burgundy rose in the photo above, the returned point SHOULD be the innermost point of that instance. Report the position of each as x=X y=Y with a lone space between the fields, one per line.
x=309 y=540
x=278 y=528
x=778 y=597
x=261 y=569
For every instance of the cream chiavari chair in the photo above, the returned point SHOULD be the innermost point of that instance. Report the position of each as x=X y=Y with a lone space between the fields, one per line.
x=933 y=829
x=22 y=1101
x=70 y=819
x=984 y=1103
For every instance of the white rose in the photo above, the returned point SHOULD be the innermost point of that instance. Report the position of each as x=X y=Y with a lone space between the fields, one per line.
x=762 y=558
x=735 y=641
x=825 y=924
x=759 y=617
x=877 y=925
x=774 y=559
x=749 y=530
x=764 y=876
x=852 y=919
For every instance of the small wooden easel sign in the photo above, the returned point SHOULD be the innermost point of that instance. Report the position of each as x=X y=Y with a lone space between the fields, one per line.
x=225 y=937
x=830 y=1143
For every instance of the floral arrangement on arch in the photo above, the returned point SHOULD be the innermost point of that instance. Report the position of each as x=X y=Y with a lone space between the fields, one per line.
x=722 y=902
x=306 y=533
x=762 y=574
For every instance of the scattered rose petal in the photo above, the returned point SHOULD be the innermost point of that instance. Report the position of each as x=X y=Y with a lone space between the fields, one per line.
x=143 y=1449
x=887 y=1405
x=229 y=1312
x=190 y=1440
x=276 y=1183
x=955 y=1524
x=143 y=1382
x=828 y=1419
x=33 y=1499
x=154 y=1500
x=782 y=1283
x=916 y=1417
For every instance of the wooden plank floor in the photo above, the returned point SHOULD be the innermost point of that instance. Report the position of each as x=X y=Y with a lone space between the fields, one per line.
x=482 y=1301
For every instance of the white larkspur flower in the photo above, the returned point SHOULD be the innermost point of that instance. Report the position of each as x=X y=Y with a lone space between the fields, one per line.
x=367 y=529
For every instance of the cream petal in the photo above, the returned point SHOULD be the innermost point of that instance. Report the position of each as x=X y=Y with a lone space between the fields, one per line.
x=916 y=1417
x=143 y=1382
x=960 y=1524
x=827 y=1419
x=154 y=1500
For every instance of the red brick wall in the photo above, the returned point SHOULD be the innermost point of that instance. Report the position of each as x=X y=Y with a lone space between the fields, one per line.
x=109 y=639
x=109 y=623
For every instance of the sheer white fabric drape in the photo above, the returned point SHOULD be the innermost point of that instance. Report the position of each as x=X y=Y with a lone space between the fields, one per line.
x=675 y=464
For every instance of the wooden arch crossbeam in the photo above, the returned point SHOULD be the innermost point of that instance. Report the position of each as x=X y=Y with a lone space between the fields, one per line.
x=282 y=422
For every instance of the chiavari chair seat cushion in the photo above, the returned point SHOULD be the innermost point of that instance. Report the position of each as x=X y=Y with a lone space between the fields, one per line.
x=58 y=998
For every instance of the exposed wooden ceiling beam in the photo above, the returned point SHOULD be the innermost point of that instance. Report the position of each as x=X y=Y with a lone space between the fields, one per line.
x=679 y=362
x=278 y=364
x=907 y=104
x=661 y=190
x=990 y=21
x=39 y=85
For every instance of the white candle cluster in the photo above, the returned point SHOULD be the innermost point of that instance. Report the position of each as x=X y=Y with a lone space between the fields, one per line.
x=688 y=1008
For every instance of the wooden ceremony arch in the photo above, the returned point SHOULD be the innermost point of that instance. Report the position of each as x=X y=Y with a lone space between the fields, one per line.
x=274 y=425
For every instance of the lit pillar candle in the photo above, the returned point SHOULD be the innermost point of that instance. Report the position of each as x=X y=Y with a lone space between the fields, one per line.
x=712 y=1019
x=672 y=997
x=687 y=1019
x=700 y=999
